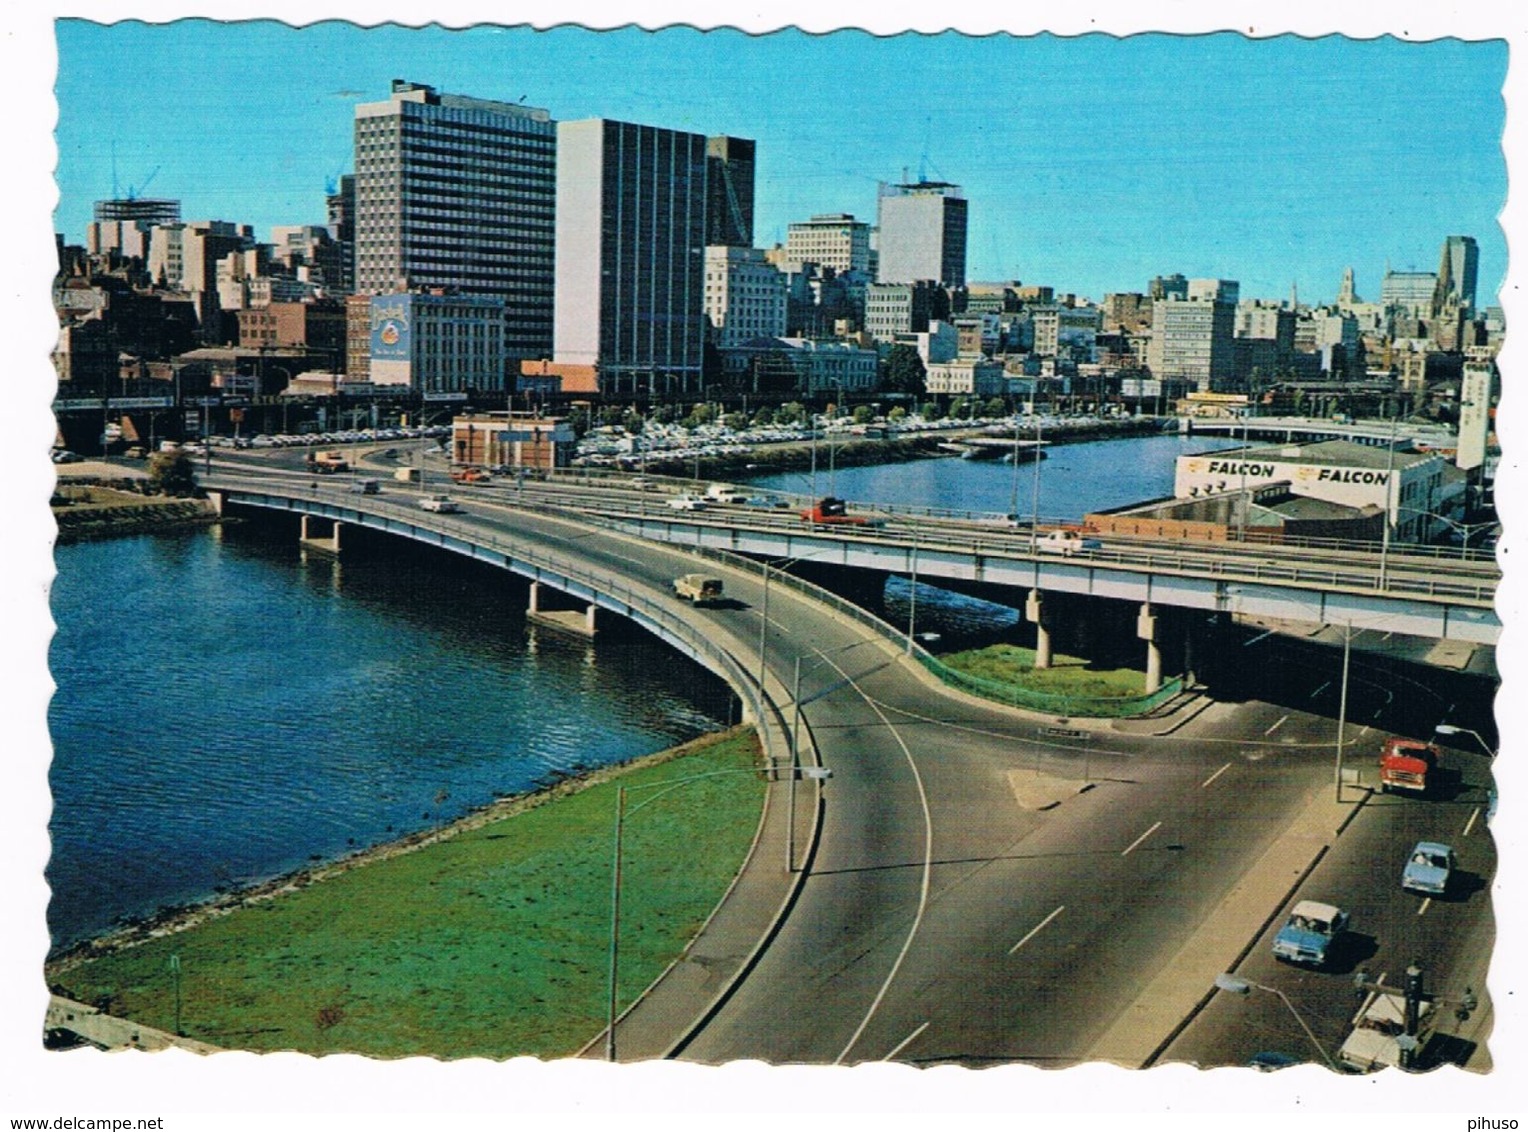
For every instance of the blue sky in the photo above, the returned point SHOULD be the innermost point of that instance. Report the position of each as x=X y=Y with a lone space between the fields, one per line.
x=1091 y=163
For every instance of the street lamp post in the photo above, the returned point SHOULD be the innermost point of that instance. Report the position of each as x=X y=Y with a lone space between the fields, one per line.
x=1342 y=707
x=1235 y=985
x=1453 y=729
x=1034 y=510
x=621 y=814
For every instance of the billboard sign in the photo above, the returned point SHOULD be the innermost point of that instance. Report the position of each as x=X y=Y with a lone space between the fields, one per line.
x=392 y=328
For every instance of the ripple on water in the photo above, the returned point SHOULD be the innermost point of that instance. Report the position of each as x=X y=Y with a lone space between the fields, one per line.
x=225 y=711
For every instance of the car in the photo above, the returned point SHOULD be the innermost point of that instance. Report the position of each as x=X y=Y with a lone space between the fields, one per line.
x=136 y=452
x=639 y=483
x=1310 y=935
x=687 y=503
x=365 y=487
x=1065 y=542
x=1428 y=869
x=1272 y=1060
x=439 y=504
x=64 y=456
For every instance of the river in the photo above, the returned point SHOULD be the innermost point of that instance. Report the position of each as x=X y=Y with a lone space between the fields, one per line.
x=228 y=711
x=1074 y=478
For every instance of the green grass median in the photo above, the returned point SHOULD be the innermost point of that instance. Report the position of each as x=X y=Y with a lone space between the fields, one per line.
x=490 y=942
x=1067 y=675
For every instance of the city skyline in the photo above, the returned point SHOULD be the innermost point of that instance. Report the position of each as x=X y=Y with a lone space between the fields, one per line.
x=1111 y=201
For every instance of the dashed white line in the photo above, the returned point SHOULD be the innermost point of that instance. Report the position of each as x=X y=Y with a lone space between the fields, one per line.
x=905 y=1042
x=1214 y=776
x=1141 y=838
x=1277 y=725
x=1035 y=930
x=1425 y=902
x=1469 y=825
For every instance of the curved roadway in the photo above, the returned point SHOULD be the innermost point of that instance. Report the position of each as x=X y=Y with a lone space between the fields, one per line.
x=989 y=886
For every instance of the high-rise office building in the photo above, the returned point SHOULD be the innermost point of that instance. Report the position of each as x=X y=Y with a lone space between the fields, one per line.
x=459 y=193
x=1194 y=340
x=342 y=227
x=1458 y=265
x=1411 y=292
x=729 y=192
x=631 y=237
x=834 y=239
x=922 y=234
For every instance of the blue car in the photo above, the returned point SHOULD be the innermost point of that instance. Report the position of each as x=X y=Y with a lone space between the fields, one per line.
x=1310 y=935
x=1428 y=869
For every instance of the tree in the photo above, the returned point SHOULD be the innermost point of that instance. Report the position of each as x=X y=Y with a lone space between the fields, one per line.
x=995 y=408
x=665 y=414
x=904 y=371
x=632 y=422
x=863 y=414
x=792 y=412
x=897 y=415
x=764 y=417
x=737 y=422
x=931 y=411
x=172 y=473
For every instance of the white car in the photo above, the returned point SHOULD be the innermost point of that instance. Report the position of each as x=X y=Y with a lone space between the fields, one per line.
x=439 y=503
x=687 y=503
x=1065 y=542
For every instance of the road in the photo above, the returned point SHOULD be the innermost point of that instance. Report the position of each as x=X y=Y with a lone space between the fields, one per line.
x=984 y=891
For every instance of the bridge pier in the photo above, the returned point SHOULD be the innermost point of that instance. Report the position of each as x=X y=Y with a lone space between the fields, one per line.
x=1146 y=629
x=1034 y=611
x=324 y=545
x=583 y=624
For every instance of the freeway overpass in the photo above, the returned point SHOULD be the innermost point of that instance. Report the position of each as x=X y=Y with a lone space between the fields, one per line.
x=972 y=862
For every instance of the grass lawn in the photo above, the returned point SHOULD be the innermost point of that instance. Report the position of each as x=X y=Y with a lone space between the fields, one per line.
x=1067 y=676
x=490 y=943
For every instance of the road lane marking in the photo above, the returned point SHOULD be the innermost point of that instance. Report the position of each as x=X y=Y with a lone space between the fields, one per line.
x=1469 y=825
x=1141 y=838
x=1321 y=689
x=1425 y=902
x=1035 y=930
x=905 y=1042
x=1214 y=776
x=1276 y=726
x=928 y=858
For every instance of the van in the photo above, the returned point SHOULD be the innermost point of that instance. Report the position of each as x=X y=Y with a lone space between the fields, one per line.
x=365 y=487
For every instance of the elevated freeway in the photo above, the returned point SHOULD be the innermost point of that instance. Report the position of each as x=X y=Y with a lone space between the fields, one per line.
x=986 y=885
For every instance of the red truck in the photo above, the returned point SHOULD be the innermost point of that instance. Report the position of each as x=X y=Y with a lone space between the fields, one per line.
x=833 y=512
x=1407 y=764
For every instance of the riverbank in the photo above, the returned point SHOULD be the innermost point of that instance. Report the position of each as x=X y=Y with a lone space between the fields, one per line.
x=854 y=451
x=96 y=510
x=485 y=937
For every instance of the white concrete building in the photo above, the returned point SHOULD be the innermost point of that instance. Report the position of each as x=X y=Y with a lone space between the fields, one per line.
x=1409 y=486
x=921 y=234
x=835 y=240
x=745 y=296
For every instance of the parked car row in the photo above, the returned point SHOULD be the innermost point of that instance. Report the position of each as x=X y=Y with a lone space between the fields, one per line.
x=346 y=436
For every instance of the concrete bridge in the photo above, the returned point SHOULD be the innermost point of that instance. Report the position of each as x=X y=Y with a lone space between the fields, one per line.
x=1288 y=429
